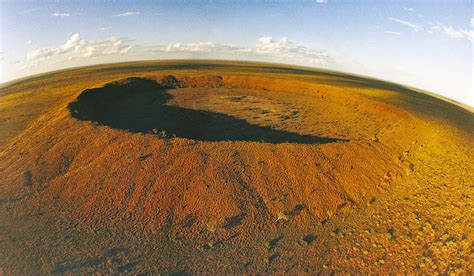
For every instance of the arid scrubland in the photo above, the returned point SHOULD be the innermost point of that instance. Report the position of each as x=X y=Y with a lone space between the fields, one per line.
x=220 y=167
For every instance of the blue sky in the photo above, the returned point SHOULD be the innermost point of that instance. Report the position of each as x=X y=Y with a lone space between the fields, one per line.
x=425 y=44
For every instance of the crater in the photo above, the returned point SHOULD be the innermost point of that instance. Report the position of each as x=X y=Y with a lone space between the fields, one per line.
x=142 y=105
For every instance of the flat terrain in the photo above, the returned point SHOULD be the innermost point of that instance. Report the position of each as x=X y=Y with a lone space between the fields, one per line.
x=231 y=167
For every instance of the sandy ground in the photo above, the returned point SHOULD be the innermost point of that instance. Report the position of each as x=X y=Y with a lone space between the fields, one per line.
x=226 y=167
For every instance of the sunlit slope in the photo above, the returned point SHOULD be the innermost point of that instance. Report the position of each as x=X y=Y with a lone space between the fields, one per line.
x=215 y=158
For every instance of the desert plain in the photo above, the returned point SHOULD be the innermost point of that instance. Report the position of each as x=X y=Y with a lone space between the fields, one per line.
x=190 y=167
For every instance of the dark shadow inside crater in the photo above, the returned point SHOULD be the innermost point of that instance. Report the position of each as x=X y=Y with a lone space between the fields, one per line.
x=140 y=105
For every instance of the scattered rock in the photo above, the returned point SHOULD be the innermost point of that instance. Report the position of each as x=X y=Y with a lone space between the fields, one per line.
x=143 y=157
x=391 y=233
x=271 y=244
x=234 y=221
x=296 y=210
x=335 y=232
x=169 y=82
x=189 y=220
x=28 y=178
x=272 y=258
x=308 y=239
x=372 y=200
x=342 y=205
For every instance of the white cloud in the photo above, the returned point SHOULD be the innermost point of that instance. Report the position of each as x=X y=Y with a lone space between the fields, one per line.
x=410 y=25
x=393 y=33
x=267 y=45
x=76 y=47
x=125 y=50
x=61 y=14
x=28 y=42
x=266 y=48
x=452 y=32
x=192 y=47
x=285 y=49
x=438 y=28
x=321 y=1
x=129 y=13
x=409 y=9
x=103 y=29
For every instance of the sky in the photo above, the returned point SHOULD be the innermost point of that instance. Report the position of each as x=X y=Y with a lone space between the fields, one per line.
x=425 y=44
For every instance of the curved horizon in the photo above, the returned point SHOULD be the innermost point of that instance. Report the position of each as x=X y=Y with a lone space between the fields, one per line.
x=417 y=44
x=256 y=62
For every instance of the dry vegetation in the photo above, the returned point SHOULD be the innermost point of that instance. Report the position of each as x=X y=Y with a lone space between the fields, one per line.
x=221 y=167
